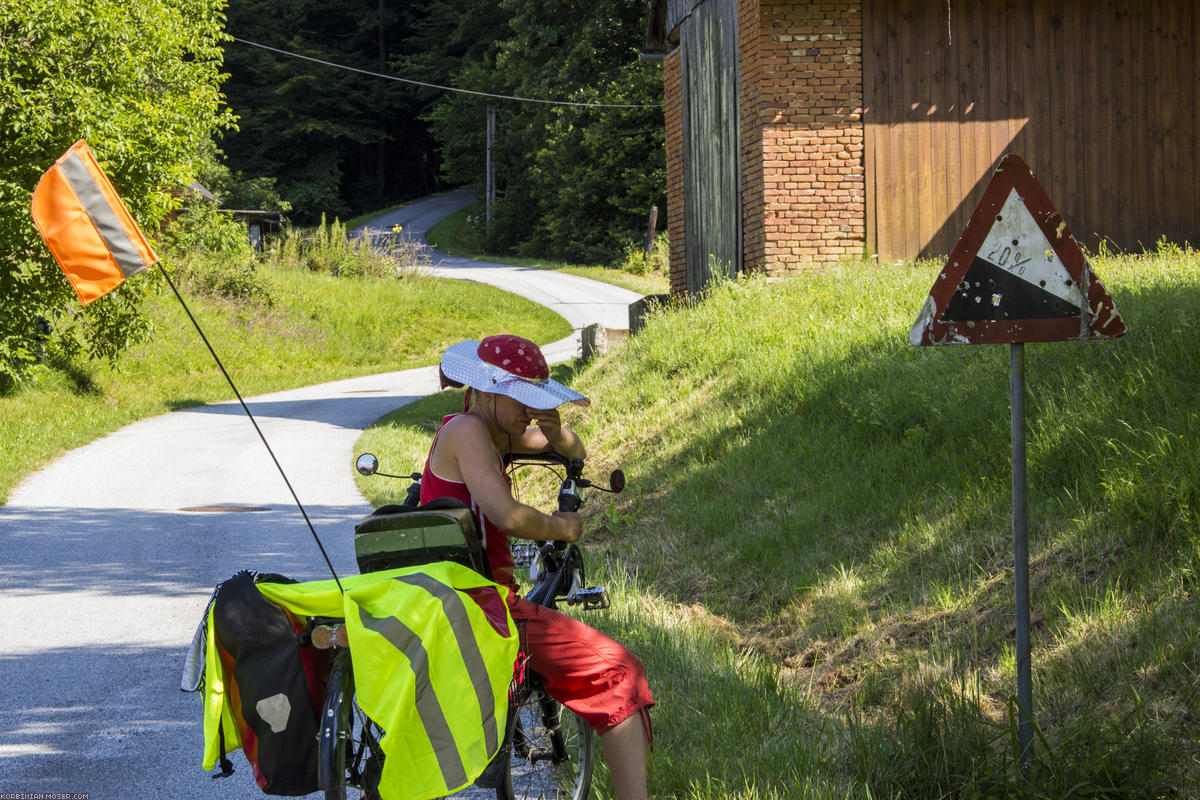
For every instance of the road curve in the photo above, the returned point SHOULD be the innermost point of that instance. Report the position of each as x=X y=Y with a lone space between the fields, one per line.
x=108 y=555
x=580 y=301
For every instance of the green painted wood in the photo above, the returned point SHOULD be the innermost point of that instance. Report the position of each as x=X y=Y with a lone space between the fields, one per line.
x=712 y=142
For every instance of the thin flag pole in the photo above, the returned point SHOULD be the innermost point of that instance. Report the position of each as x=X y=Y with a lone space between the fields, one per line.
x=254 y=422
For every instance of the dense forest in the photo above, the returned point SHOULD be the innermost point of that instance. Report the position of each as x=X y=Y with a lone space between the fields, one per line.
x=575 y=178
x=298 y=106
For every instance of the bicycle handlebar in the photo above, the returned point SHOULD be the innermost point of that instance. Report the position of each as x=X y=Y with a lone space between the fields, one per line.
x=571 y=493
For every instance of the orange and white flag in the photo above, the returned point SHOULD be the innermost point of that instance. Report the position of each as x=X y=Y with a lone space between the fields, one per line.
x=91 y=234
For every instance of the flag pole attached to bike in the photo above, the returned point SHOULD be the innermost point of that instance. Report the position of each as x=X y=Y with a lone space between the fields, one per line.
x=97 y=243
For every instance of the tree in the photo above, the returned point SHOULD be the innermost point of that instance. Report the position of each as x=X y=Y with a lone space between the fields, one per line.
x=575 y=181
x=447 y=39
x=335 y=141
x=140 y=82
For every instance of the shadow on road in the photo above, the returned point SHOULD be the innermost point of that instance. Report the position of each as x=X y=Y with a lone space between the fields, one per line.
x=135 y=552
x=355 y=410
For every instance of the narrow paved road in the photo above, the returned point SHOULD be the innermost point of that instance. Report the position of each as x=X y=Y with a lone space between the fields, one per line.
x=106 y=566
x=578 y=300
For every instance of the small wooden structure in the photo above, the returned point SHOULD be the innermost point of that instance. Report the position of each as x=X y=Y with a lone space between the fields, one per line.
x=258 y=224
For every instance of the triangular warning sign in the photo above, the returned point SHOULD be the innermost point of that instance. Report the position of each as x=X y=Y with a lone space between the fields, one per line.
x=1016 y=274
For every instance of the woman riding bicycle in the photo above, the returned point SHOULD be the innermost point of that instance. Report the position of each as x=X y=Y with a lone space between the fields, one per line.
x=583 y=669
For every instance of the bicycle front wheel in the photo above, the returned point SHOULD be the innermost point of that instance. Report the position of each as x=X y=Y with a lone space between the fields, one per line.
x=350 y=758
x=552 y=753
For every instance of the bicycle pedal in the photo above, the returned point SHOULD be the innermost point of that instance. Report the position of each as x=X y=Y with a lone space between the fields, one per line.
x=324 y=637
x=593 y=598
x=524 y=554
x=493 y=774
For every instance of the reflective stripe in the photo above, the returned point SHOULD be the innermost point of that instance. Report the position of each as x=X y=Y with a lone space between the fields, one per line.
x=460 y=623
x=95 y=204
x=428 y=708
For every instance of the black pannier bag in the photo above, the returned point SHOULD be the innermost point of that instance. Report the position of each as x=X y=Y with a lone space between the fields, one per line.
x=275 y=685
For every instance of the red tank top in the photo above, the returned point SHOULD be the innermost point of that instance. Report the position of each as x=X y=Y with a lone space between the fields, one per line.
x=495 y=541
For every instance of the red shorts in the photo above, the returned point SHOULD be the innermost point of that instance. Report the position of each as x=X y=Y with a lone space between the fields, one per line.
x=583 y=669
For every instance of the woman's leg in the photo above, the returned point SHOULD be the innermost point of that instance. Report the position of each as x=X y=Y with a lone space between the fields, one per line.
x=625 y=751
x=598 y=679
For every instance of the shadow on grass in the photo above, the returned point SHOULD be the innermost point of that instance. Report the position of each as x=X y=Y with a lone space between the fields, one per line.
x=180 y=404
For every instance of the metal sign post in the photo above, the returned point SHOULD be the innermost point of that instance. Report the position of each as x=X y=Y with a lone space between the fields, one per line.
x=1016 y=382
x=1017 y=275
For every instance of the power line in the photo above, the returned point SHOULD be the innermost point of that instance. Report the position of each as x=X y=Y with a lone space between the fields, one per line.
x=443 y=88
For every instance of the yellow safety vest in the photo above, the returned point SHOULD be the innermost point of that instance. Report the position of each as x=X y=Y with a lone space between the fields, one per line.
x=433 y=649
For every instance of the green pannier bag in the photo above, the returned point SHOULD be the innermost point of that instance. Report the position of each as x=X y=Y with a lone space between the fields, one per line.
x=404 y=536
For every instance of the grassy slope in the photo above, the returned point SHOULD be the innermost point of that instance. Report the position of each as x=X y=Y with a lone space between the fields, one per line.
x=321 y=328
x=814 y=558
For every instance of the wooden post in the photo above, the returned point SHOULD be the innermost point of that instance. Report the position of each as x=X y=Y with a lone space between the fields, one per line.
x=650 y=228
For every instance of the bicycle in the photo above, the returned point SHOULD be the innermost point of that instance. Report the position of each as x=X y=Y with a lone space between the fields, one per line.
x=545 y=753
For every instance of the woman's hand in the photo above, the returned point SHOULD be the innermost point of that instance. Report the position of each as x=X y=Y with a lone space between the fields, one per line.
x=569 y=524
x=563 y=441
x=548 y=422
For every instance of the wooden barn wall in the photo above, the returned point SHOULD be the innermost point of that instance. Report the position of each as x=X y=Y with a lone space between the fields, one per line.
x=1098 y=96
x=711 y=140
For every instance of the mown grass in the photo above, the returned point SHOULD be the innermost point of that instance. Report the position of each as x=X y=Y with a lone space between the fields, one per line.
x=814 y=557
x=317 y=328
x=455 y=235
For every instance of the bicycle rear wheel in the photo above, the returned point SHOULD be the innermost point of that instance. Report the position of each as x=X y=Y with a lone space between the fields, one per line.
x=350 y=759
x=552 y=752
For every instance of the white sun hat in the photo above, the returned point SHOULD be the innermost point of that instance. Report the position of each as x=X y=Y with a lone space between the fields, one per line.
x=507 y=365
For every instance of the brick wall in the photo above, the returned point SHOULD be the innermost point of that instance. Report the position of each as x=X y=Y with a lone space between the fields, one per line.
x=753 y=73
x=805 y=197
x=800 y=97
x=673 y=114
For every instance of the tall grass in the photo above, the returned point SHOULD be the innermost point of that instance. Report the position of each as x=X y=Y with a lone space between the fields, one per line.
x=814 y=557
x=326 y=248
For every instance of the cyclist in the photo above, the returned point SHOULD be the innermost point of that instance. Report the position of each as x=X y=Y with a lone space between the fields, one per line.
x=515 y=410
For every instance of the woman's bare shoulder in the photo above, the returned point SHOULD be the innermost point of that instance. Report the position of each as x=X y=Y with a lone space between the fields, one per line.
x=465 y=429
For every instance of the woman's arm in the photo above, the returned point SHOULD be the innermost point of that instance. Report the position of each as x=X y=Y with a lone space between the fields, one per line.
x=480 y=468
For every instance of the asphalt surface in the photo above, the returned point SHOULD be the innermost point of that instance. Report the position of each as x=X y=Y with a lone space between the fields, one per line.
x=580 y=301
x=105 y=572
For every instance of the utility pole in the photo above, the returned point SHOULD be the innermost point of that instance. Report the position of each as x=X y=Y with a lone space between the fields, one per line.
x=381 y=145
x=490 y=191
x=651 y=227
